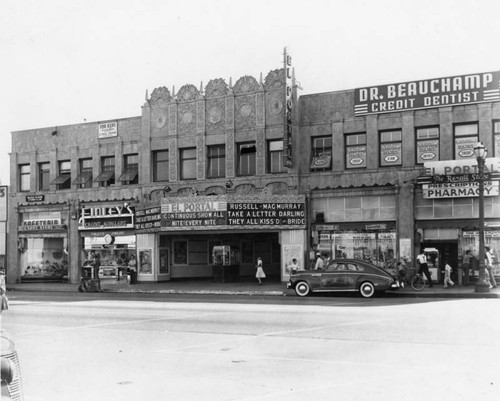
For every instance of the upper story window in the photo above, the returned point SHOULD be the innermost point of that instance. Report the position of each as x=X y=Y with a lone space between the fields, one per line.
x=24 y=177
x=466 y=136
x=275 y=157
x=355 y=151
x=63 y=180
x=84 y=179
x=188 y=163
x=427 y=144
x=391 y=147
x=43 y=176
x=160 y=165
x=247 y=158
x=216 y=167
x=496 y=138
x=321 y=153
x=107 y=175
x=130 y=173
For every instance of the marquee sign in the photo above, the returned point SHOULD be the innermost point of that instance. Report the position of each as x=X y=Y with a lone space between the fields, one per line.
x=429 y=93
x=287 y=137
x=224 y=212
x=106 y=217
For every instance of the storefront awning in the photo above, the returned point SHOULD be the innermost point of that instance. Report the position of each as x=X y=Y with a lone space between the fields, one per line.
x=129 y=174
x=61 y=179
x=463 y=224
x=83 y=178
x=105 y=176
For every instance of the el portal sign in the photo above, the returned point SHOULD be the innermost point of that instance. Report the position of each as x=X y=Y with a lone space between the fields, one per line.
x=460 y=179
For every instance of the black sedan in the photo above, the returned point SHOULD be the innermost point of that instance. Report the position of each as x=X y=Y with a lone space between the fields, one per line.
x=343 y=275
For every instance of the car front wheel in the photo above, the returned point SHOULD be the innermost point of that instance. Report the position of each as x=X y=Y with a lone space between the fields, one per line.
x=302 y=289
x=367 y=289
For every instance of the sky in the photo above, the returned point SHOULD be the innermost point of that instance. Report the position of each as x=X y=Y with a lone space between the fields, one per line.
x=65 y=62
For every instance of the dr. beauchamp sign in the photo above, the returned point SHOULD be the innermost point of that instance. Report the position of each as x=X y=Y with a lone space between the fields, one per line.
x=428 y=93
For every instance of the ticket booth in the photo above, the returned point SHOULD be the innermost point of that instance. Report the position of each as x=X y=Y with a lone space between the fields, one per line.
x=225 y=264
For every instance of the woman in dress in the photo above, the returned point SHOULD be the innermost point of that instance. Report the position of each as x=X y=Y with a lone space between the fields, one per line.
x=260 y=271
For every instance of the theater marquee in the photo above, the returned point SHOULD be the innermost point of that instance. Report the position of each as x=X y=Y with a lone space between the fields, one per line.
x=430 y=93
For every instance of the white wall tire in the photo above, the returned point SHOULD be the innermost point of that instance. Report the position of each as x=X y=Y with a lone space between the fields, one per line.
x=367 y=289
x=302 y=289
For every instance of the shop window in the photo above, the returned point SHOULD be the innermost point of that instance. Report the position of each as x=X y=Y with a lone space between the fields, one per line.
x=391 y=148
x=321 y=153
x=275 y=157
x=84 y=178
x=188 y=163
x=427 y=144
x=355 y=151
x=107 y=175
x=247 y=159
x=130 y=174
x=216 y=158
x=160 y=166
x=496 y=139
x=63 y=180
x=43 y=176
x=466 y=136
x=43 y=258
x=114 y=257
x=24 y=177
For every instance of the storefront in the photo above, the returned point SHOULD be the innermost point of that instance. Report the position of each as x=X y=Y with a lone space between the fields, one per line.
x=42 y=246
x=179 y=234
x=373 y=242
x=447 y=211
x=107 y=230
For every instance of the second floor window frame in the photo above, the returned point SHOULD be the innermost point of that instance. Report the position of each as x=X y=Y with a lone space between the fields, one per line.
x=216 y=161
x=24 y=178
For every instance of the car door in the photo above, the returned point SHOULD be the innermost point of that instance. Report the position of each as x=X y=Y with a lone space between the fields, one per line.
x=351 y=276
x=333 y=278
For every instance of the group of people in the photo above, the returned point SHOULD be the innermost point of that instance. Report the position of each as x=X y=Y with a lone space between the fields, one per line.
x=469 y=263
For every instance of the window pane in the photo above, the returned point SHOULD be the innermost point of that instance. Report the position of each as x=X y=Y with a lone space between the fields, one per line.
x=188 y=164
x=247 y=159
x=466 y=129
x=44 y=176
x=160 y=165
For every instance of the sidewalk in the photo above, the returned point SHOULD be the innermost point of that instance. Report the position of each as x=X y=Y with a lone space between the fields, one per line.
x=246 y=287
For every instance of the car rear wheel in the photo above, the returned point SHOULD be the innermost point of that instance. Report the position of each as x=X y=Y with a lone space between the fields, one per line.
x=302 y=289
x=367 y=289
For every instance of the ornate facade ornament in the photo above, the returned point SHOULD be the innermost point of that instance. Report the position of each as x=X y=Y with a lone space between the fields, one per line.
x=215 y=88
x=275 y=79
x=246 y=84
x=245 y=112
x=188 y=92
x=160 y=95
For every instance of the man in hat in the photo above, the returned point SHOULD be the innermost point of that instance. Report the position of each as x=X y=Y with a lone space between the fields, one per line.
x=319 y=262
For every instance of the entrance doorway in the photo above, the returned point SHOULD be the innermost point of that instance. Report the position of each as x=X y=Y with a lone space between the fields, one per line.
x=440 y=252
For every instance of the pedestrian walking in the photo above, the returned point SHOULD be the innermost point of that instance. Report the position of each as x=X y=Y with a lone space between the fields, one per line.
x=466 y=267
x=489 y=266
x=319 y=262
x=447 y=275
x=423 y=267
x=260 y=271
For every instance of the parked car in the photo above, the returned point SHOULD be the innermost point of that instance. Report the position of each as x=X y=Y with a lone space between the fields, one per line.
x=11 y=374
x=343 y=275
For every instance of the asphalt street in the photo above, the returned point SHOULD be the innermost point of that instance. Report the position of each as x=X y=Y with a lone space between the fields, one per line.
x=107 y=347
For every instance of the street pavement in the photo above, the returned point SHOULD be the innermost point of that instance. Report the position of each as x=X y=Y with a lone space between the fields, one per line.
x=246 y=287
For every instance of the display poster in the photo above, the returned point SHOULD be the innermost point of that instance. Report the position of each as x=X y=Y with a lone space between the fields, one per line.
x=356 y=156
x=391 y=154
x=427 y=150
x=145 y=261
